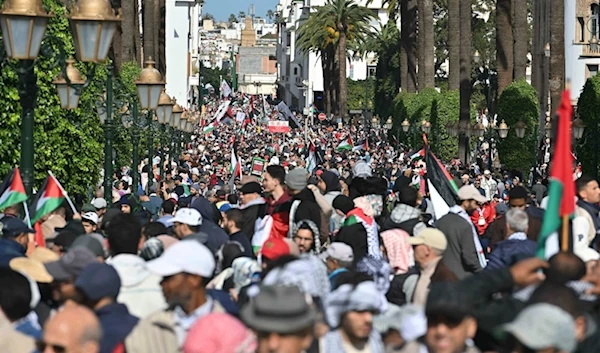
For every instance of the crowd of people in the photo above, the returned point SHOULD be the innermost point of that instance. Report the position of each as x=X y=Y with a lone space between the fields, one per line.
x=346 y=255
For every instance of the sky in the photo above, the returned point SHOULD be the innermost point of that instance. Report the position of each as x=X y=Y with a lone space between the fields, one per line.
x=222 y=8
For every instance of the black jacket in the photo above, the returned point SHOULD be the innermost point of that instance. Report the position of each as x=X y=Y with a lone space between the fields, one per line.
x=308 y=208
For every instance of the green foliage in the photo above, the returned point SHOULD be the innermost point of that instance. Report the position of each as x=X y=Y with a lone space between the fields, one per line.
x=519 y=102
x=387 y=47
x=130 y=71
x=356 y=94
x=414 y=107
x=588 y=109
x=446 y=109
x=213 y=76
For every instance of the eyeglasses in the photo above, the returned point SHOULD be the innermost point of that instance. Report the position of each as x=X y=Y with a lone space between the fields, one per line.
x=41 y=347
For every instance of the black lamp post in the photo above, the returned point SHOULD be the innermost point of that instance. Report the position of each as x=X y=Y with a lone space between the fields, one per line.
x=23 y=23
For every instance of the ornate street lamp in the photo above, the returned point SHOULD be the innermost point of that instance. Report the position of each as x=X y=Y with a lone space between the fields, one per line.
x=177 y=114
x=69 y=92
x=520 y=129
x=149 y=85
x=476 y=57
x=405 y=125
x=388 y=124
x=503 y=130
x=23 y=26
x=578 y=126
x=93 y=24
x=479 y=130
x=165 y=108
x=183 y=122
x=426 y=126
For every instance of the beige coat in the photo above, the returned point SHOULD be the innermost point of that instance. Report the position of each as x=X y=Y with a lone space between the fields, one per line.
x=156 y=333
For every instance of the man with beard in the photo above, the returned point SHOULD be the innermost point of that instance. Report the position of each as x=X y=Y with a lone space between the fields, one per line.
x=185 y=268
x=464 y=254
x=232 y=224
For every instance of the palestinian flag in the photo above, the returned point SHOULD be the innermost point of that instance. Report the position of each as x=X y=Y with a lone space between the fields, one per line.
x=346 y=145
x=443 y=191
x=12 y=190
x=209 y=128
x=561 y=191
x=48 y=198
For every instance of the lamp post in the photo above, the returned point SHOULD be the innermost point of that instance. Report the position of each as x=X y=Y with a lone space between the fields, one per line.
x=23 y=24
x=425 y=128
x=149 y=87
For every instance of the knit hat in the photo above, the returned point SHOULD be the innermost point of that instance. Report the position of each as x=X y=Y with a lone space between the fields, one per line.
x=297 y=179
x=343 y=203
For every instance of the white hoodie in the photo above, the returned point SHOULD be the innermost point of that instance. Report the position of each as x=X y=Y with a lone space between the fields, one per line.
x=140 y=289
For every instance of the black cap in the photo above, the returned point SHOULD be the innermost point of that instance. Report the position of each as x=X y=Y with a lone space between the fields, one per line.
x=64 y=239
x=11 y=227
x=73 y=226
x=449 y=300
x=251 y=188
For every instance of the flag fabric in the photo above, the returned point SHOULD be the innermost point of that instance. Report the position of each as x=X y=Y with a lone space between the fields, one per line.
x=346 y=145
x=312 y=159
x=48 y=198
x=225 y=89
x=442 y=188
x=209 y=128
x=561 y=191
x=12 y=190
x=286 y=114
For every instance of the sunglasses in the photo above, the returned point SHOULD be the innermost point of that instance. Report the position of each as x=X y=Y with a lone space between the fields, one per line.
x=41 y=347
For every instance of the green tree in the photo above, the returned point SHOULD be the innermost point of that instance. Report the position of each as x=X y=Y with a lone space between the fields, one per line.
x=357 y=91
x=387 y=48
x=232 y=19
x=270 y=14
x=518 y=102
x=416 y=108
x=351 y=26
x=444 y=111
x=587 y=109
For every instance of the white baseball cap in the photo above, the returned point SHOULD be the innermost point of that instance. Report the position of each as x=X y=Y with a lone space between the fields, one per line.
x=469 y=192
x=195 y=171
x=187 y=256
x=338 y=251
x=90 y=216
x=188 y=216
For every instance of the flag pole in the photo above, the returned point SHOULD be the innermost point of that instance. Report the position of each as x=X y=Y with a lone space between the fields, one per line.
x=564 y=246
x=27 y=217
x=64 y=192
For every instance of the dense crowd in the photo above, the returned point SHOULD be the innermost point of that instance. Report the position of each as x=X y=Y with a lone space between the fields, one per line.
x=310 y=248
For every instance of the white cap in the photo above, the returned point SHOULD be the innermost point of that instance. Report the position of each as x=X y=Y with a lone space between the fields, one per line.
x=184 y=257
x=188 y=216
x=174 y=196
x=338 y=251
x=195 y=171
x=90 y=216
x=99 y=203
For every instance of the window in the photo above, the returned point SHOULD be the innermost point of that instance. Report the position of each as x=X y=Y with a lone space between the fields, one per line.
x=580 y=32
x=595 y=20
x=295 y=71
x=592 y=70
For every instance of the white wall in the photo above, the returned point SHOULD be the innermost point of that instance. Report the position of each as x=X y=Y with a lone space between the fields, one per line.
x=177 y=47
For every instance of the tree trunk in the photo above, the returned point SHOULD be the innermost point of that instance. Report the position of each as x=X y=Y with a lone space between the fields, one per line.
x=427 y=58
x=137 y=35
x=159 y=32
x=408 y=34
x=343 y=84
x=420 y=46
x=520 y=35
x=325 y=66
x=129 y=13
x=504 y=44
x=148 y=20
x=454 y=44
x=557 y=53
x=465 y=74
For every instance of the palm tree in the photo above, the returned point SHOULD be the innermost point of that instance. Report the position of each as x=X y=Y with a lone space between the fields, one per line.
x=557 y=52
x=148 y=26
x=129 y=30
x=504 y=43
x=426 y=45
x=465 y=73
x=241 y=14
x=454 y=44
x=520 y=34
x=270 y=14
x=408 y=38
x=351 y=23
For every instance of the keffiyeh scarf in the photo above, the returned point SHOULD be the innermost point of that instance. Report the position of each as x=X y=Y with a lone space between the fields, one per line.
x=357 y=215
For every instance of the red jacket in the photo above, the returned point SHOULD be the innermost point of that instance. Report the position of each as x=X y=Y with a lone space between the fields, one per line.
x=488 y=213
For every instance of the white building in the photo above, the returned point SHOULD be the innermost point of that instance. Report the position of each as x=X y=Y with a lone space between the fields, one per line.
x=300 y=76
x=181 y=47
x=582 y=52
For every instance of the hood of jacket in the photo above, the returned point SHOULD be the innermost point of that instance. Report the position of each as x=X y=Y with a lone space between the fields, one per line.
x=305 y=195
x=206 y=209
x=405 y=217
x=131 y=269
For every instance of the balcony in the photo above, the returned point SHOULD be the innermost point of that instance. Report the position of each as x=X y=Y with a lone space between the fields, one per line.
x=299 y=82
x=588 y=52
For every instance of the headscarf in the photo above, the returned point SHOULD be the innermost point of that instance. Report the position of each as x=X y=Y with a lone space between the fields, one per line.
x=378 y=269
x=244 y=271
x=207 y=336
x=308 y=273
x=399 y=252
x=363 y=297
x=316 y=250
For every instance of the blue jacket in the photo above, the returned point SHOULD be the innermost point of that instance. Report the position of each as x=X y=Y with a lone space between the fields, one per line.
x=216 y=234
x=508 y=252
x=116 y=323
x=9 y=249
